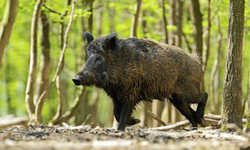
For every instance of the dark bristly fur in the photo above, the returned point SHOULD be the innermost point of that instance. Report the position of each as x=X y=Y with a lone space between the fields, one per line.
x=131 y=70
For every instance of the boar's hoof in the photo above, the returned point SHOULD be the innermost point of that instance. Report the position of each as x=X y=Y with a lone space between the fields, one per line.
x=199 y=116
x=133 y=121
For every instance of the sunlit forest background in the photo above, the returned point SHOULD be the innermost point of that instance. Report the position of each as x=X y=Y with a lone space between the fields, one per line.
x=103 y=17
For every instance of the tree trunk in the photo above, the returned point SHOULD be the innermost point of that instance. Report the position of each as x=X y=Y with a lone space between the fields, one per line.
x=207 y=44
x=33 y=59
x=172 y=21
x=165 y=23
x=11 y=109
x=146 y=120
x=133 y=32
x=179 y=15
x=144 y=24
x=196 y=17
x=232 y=86
x=6 y=25
x=60 y=89
x=215 y=84
x=111 y=11
x=43 y=77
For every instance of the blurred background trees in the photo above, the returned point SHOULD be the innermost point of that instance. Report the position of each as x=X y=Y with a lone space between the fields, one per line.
x=199 y=26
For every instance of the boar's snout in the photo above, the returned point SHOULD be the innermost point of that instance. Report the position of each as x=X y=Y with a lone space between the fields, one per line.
x=77 y=80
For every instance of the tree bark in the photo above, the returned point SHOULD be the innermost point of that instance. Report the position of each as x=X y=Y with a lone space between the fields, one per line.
x=232 y=86
x=33 y=59
x=43 y=77
x=179 y=15
x=112 y=18
x=133 y=32
x=172 y=21
x=7 y=72
x=208 y=39
x=196 y=17
x=165 y=23
x=6 y=25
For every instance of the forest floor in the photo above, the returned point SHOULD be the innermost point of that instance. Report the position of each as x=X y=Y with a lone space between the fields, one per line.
x=84 y=137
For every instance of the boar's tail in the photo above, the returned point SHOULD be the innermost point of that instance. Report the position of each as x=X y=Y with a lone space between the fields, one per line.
x=195 y=57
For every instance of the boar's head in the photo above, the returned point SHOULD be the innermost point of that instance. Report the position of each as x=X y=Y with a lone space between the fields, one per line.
x=94 y=71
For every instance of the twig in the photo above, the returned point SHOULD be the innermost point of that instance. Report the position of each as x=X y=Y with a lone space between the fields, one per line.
x=87 y=118
x=52 y=11
x=157 y=118
x=59 y=67
x=175 y=126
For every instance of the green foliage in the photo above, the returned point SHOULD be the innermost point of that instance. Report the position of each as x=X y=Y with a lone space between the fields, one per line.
x=224 y=128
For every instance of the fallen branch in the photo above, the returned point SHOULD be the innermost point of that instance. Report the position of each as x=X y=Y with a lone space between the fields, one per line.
x=218 y=117
x=182 y=124
x=176 y=126
x=211 y=116
x=157 y=118
x=10 y=120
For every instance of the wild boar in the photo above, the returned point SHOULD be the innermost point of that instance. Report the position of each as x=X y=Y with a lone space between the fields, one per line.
x=132 y=70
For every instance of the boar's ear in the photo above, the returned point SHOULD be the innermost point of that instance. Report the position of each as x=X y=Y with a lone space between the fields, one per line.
x=109 y=42
x=88 y=36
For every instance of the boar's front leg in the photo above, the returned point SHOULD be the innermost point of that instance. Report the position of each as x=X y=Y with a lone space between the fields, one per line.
x=202 y=100
x=185 y=109
x=125 y=115
x=126 y=112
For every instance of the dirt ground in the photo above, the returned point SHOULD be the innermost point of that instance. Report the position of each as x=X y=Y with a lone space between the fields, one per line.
x=84 y=137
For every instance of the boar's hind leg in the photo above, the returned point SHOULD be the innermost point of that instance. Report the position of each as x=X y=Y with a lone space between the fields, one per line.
x=185 y=110
x=201 y=107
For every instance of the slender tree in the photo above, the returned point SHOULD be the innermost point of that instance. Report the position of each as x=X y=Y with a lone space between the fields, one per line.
x=179 y=16
x=43 y=75
x=196 y=17
x=208 y=38
x=172 y=21
x=232 y=86
x=6 y=25
x=33 y=59
x=60 y=89
x=165 y=23
x=133 y=32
